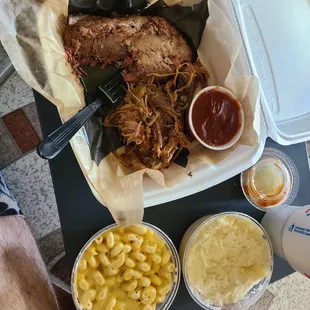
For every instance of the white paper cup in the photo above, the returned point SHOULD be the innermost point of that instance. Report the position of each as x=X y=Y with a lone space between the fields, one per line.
x=296 y=240
x=289 y=232
x=273 y=223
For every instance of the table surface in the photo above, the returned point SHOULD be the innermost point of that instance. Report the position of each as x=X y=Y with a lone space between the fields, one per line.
x=81 y=215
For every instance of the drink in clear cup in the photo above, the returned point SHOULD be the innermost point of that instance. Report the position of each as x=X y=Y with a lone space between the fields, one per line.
x=289 y=232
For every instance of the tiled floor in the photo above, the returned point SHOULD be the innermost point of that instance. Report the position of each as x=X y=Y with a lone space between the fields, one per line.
x=9 y=150
x=290 y=293
x=4 y=60
x=28 y=176
x=6 y=67
x=15 y=93
x=20 y=132
x=31 y=113
x=30 y=181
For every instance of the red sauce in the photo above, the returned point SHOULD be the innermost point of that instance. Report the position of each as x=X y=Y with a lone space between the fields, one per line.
x=215 y=117
x=261 y=202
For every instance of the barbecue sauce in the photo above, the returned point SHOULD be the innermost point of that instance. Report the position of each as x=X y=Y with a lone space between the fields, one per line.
x=215 y=117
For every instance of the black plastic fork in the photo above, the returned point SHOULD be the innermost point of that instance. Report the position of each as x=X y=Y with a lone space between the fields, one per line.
x=54 y=143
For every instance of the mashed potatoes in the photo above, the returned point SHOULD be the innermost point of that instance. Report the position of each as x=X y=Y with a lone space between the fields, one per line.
x=225 y=258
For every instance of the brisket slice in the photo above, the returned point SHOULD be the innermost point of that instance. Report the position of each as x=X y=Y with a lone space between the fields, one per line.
x=143 y=44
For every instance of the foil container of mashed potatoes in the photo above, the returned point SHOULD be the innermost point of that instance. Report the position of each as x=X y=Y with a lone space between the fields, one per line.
x=96 y=245
x=272 y=182
x=227 y=261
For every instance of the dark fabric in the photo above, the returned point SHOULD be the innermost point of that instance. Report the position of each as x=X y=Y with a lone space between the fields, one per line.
x=8 y=204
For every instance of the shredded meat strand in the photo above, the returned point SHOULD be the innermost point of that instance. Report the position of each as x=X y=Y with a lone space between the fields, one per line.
x=151 y=117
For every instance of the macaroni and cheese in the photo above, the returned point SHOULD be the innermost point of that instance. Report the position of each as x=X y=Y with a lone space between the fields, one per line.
x=123 y=269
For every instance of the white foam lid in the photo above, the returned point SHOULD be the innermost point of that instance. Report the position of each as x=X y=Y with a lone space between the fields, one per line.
x=276 y=36
x=276 y=39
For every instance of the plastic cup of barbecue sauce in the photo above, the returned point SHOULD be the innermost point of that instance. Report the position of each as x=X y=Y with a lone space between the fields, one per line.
x=215 y=118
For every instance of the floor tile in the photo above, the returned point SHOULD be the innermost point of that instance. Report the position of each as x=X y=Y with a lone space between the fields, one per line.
x=21 y=130
x=64 y=299
x=32 y=114
x=9 y=151
x=290 y=293
x=30 y=181
x=14 y=94
x=4 y=59
x=62 y=270
x=264 y=302
x=51 y=246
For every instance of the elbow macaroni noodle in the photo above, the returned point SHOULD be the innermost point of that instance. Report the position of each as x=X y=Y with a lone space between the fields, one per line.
x=125 y=268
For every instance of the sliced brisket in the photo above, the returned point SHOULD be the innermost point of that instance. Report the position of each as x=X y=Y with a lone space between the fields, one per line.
x=143 y=44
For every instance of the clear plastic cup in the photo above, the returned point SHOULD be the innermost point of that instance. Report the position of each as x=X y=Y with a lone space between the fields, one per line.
x=272 y=183
x=253 y=294
x=165 y=305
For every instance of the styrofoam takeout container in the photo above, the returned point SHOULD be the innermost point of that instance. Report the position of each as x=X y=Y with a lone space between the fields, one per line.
x=275 y=49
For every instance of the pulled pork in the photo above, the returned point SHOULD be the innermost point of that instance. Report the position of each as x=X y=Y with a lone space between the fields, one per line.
x=151 y=118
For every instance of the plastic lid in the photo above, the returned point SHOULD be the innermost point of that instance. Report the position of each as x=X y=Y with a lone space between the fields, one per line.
x=276 y=39
x=185 y=249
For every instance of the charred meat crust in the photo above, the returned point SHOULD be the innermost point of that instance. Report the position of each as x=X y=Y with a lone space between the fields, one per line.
x=143 y=44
